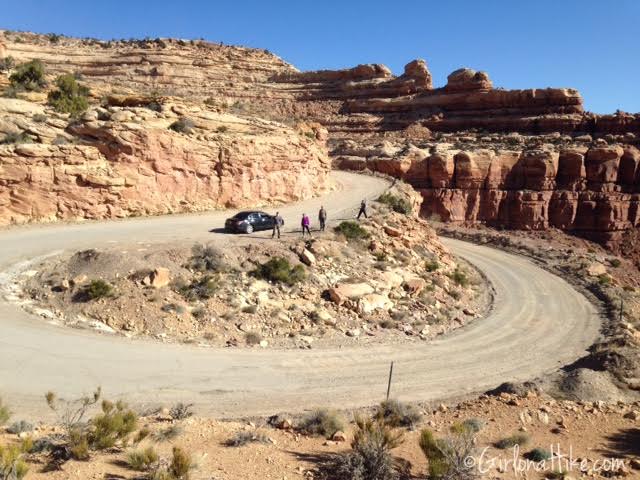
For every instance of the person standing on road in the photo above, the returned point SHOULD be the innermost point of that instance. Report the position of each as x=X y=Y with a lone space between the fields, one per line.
x=322 y=217
x=277 y=223
x=305 y=224
x=363 y=209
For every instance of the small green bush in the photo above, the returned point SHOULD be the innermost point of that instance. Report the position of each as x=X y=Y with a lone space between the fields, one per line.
x=279 y=270
x=70 y=97
x=169 y=433
x=206 y=258
x=113 y=425
x=39 y=118
x=370 y=457
x=394 y=413
x=615 y=262
x=604 y=279
x=199 y=289
x=447 y=456
x=181 y=410
x=5 y=414
x=431 y=265
x=53 y=37
x=12 y=464
x=181 y=464
x=142 y=460
x=28 y=76
x=17 y=139
x=182 y=125
x=459 y=277
x=98 y=289
x=397 y=204
x=252 y=338
x=243 y=437
x=519 y=439
x=474 y=424
x=352 y=231
x=6 y=64
x=538 y=455
x=322 y=422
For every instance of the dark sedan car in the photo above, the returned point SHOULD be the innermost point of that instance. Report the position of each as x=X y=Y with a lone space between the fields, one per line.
x=250 y=221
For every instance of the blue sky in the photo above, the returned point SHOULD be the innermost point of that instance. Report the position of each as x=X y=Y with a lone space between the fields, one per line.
x=590 y=45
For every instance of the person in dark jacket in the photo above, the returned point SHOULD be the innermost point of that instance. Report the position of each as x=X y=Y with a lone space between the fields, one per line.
x=305 y=224
x=363 y=209
x=277 y=223
x=322 y=217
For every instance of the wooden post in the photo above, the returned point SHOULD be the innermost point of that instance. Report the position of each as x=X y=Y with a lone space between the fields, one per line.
x=389 y=385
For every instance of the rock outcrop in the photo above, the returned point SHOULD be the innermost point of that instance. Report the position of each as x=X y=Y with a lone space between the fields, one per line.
x=120 y=162
x=590 y=190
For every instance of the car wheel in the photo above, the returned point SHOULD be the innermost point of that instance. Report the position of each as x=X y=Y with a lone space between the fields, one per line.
x=248 y=229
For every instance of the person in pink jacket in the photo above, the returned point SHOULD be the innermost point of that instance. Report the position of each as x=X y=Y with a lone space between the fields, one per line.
x=305 y=224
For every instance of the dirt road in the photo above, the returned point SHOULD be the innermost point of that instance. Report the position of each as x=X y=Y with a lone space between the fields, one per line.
x=538 y=324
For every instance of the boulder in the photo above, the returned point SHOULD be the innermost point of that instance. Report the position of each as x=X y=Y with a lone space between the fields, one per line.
x=414 y=285
x=307 y=257
x=374 y=301
x=160 y=277
x=349 y=291
x=392 y=231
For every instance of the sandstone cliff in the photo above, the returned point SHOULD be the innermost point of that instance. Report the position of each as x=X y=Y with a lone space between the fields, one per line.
x=126 y=161
x=589 y=189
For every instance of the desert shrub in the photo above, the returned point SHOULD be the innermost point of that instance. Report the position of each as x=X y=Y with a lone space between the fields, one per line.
x=222 y=129
x=447 y=455
x=39 y=118
x=180 y=411
x=386 y=324
x=351 y=231
x=431 y=265
x=142 y=459
x=615 y=262
x=97 y=289
x=21 y=426
x=5 y=414
x=459 y=278
x=206 y=258
x=173 y=307
x=604 y=279
x=244 y=437
x=69 y=96
x=250 y=309
x=28 y=76
x=143 y=433
x=279 y=270
x=12 y=464
x=474 y=424
x=397 y=204
x=520 y=439
x=322 y=422
x=252 y=338
x=199 y=313
x=53 y=37
x=17 y=138
x=394 y=413
x=199 y=289
x=113 y=425
x=182 y=125
x=370 y=457
x=179 y=468
x=538 y=455
x=6 y=64
x=78 y=444
x=169 y=433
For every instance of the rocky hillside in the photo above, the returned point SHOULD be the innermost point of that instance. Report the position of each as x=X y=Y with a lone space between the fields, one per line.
x=526 y=159
x=130 y=161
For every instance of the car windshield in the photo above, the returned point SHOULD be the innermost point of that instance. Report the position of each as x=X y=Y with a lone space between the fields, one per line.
x=242 y=215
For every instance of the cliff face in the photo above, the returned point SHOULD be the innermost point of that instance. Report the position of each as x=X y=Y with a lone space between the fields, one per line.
x=593 y=191
x=120 y=162
x=566 y=168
